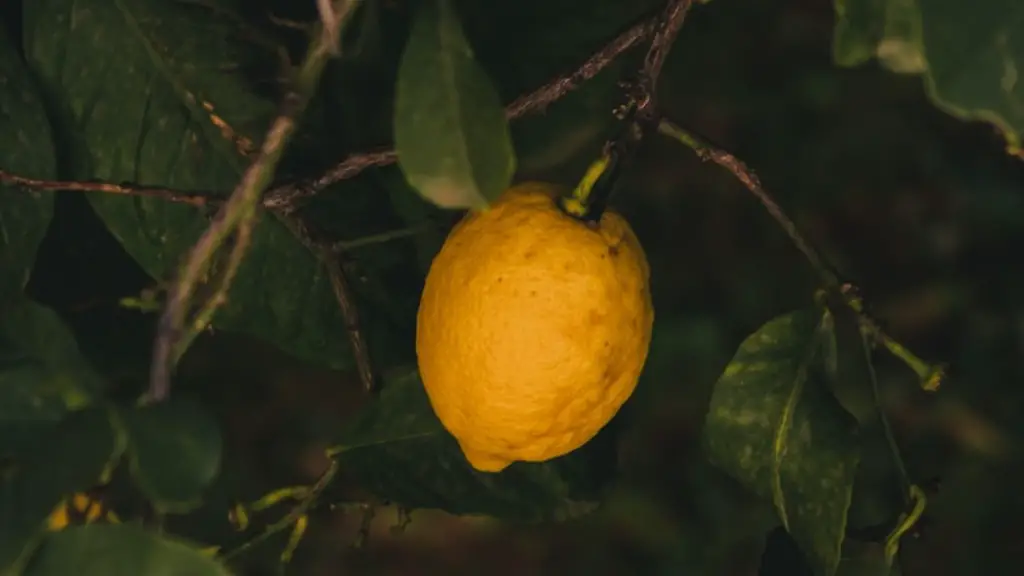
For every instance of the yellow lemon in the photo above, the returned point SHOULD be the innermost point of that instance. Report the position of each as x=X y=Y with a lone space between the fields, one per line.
x=533 y=328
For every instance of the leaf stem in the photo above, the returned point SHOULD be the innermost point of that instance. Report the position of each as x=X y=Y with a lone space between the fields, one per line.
x=930 y=376
x=890 y=437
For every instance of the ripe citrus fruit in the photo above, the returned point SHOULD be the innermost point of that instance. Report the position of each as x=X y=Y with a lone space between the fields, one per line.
x=532 y=328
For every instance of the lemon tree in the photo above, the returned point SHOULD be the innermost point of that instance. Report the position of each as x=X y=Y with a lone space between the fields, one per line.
x=520 y=269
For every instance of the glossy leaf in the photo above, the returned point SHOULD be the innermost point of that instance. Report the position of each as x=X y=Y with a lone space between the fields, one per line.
x=970 y=65
x=175 y=452
x=451 y=135
x=163 y=100
x=74 y=456
x=26 y=149
x=398 y=449
x=774 y=426
x=107 y=549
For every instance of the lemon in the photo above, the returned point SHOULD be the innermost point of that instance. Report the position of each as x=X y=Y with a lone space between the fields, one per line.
x=533 y=328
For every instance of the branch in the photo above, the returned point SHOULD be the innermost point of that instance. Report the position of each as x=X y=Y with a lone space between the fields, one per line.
x=197 y=199
x=930 y=376
x=329 y=254
x=236 y=217
x=287 y=197
x=638 y=113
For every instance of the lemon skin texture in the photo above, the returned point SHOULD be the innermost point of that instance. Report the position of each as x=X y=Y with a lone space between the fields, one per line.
x=533 y=328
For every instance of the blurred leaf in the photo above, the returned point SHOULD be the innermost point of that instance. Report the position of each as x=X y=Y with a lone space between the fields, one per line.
x=451 y=135
x=971 y=66
x=175 y=452
x=399 y=451
x=42 y=373
x=109 y=549
x=26 y=149
x=74 y=456
x=166 y=99
x=974 y=64
x=889 y=30
x=775 y=427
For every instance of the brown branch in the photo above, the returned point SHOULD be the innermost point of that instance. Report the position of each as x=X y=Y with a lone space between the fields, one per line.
x=669 y=24
x=329 y=255
x=930 y=375
x=285 y=198
x=236 y=217
x=288 y=196
x=197 y=199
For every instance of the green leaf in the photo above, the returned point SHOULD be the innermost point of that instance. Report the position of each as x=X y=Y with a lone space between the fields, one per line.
x=974 y=64
x=74 y=456
x=175 y=452
x=167 y=98
x=110 y=549
x=971 y=67
x=451 y=135
x=889 y=30
x=775 y=427
x=42 y=372
x=398 y=449
x=26 y=149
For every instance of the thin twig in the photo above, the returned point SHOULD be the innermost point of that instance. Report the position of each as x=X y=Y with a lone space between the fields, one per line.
x=198 y=199
x=930 y=375
x=288 y=196
x=638 y=114
x=350 y=312
x=237 y=217
x=301 y=509
x=669 y=24
x=329 y=255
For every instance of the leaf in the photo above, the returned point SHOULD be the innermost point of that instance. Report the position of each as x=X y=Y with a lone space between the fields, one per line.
x=971 y=68
x=74 y=456
x=777 y=430
x=451 y=135
x=42 y=373
x=974 y=65
x=889 y=30
x=167 y=99
x=398 y=450
x=108 y=549
x=26 y=149
x=175 y=452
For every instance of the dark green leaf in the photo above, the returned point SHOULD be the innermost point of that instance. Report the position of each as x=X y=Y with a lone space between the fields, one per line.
x=451 y=135
x=113 y=549
x=175 y=451
x=42 y=373
x=26 y=149
x=399 y=450
x=775 y=427
x=974 y=64
x=970 y=66
x=74 y=456
x=168 y=98
x=889 y=30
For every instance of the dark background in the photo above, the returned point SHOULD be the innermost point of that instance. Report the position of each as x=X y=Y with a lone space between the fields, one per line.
x=922 y=211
